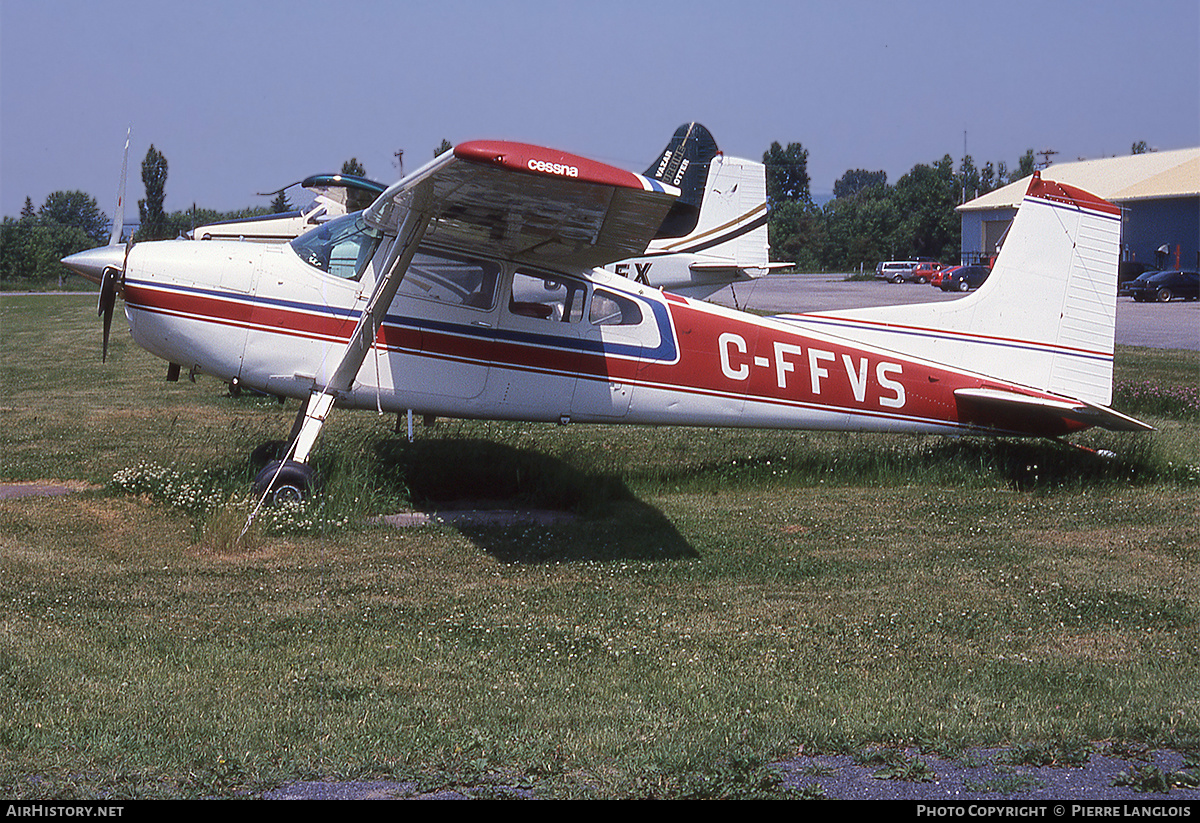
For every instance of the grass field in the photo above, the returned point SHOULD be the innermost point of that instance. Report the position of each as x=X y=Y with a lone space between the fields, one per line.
x=721 y=597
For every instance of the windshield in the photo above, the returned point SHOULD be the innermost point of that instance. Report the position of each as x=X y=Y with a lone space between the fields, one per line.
x=341 y=247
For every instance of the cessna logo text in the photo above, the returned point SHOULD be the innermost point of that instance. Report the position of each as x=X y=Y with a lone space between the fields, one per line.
x=553 y=168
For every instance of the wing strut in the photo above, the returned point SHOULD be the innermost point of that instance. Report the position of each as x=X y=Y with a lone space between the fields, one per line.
x=293 y=470
x=320 y=402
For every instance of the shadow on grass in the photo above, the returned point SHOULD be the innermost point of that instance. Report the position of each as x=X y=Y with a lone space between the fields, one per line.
x=610 y=522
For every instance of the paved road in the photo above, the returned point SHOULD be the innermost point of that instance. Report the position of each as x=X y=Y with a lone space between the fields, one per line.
x=1162 y=326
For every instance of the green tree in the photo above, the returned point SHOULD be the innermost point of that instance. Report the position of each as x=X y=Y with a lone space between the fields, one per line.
x=987 y=178
x=443 y=147
x=925 y=199
x=280 y=204
x=787 y=173
x=1026 y=166
x=857 y=180
x=32 y=246
x=860 y=229
x=30 y=250
x=1001 y=174
x=970 y=182
x=154 y=223
x=1140 y=147
x=352 y=166
x=75 y=208
x=791 y=228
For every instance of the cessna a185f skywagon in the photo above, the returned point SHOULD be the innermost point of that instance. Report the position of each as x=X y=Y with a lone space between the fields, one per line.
x=474 y=288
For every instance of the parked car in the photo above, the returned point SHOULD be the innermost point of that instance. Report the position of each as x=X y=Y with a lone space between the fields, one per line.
x=1127 y=288
x=1164 y=286
x=924 y=272
x=965 y=278
x=942 y=274
x=896 y=271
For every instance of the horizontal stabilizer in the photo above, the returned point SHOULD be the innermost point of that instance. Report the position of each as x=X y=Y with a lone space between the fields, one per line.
x=1078 y=411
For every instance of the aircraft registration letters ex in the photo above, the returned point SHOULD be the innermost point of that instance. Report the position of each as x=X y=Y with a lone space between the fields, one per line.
x=477 y=287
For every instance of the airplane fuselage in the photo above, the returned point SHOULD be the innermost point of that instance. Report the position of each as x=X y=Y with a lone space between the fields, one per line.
x=489 y=339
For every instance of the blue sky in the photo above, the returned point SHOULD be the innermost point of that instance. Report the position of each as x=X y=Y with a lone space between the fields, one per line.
x=249 y=96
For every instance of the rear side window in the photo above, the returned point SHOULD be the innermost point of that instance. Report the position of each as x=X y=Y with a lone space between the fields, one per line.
x=547 y=297
x=612 y=309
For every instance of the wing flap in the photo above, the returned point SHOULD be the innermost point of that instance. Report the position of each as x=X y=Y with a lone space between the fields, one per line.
x=532 y=205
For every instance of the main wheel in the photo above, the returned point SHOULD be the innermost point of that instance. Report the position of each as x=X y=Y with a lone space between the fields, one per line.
x=284 y=482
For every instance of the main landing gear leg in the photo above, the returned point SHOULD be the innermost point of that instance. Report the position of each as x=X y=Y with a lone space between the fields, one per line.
x=291 y=480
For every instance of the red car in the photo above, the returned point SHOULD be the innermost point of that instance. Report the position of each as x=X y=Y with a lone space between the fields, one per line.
x=924 y=272
x=942 y=274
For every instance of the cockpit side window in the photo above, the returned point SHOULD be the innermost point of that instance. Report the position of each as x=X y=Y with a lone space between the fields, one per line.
x=547 y=297
x=342 y=247
x=452 y=281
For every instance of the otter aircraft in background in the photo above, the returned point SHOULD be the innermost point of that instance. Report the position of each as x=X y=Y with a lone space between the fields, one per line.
x=715 y=233
x=474 y=287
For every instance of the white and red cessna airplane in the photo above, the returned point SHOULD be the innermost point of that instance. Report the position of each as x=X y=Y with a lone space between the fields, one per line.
x=473 y=288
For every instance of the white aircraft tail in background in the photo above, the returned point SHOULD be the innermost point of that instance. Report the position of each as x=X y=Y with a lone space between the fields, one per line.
x=716 y=234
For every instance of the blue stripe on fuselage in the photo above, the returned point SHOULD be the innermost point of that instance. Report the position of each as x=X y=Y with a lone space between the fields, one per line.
x=666 y=350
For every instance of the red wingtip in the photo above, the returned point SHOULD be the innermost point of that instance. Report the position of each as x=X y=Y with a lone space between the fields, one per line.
x=522 y=157
x=1068 y=195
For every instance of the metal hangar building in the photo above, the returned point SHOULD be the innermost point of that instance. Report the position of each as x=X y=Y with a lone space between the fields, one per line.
x=1159 y=196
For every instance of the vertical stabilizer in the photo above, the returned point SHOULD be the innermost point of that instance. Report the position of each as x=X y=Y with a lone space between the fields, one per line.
x=1046 y=316
x=684 y=163
x=716 y=232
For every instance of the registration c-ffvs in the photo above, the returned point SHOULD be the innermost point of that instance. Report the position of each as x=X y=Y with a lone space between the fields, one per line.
x=735 y=364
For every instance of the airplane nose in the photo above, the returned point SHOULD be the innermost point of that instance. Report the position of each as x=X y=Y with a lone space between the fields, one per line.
x=92 y=262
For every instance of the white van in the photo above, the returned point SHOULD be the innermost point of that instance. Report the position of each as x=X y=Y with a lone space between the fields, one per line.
x=896 y=271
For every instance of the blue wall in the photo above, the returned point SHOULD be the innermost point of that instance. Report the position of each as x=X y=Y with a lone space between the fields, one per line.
x=1148 y=224
x=1145 y=225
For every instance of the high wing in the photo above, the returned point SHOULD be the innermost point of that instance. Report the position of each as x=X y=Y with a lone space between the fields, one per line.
x=531 y=205
x=520 y=202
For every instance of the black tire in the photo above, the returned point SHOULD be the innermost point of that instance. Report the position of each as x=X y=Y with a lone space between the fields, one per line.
x=897 y=279
x=1164 y=295
x=271 y=450
x=280 y=482
x=963 y=285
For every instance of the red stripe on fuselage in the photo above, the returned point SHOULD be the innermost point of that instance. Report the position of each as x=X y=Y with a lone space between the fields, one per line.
x=762 y=362
x=719 y=356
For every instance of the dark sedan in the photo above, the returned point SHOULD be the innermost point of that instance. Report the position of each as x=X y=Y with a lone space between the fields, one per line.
x=1164 y=286
x=965 y=278
x=1127 y=288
